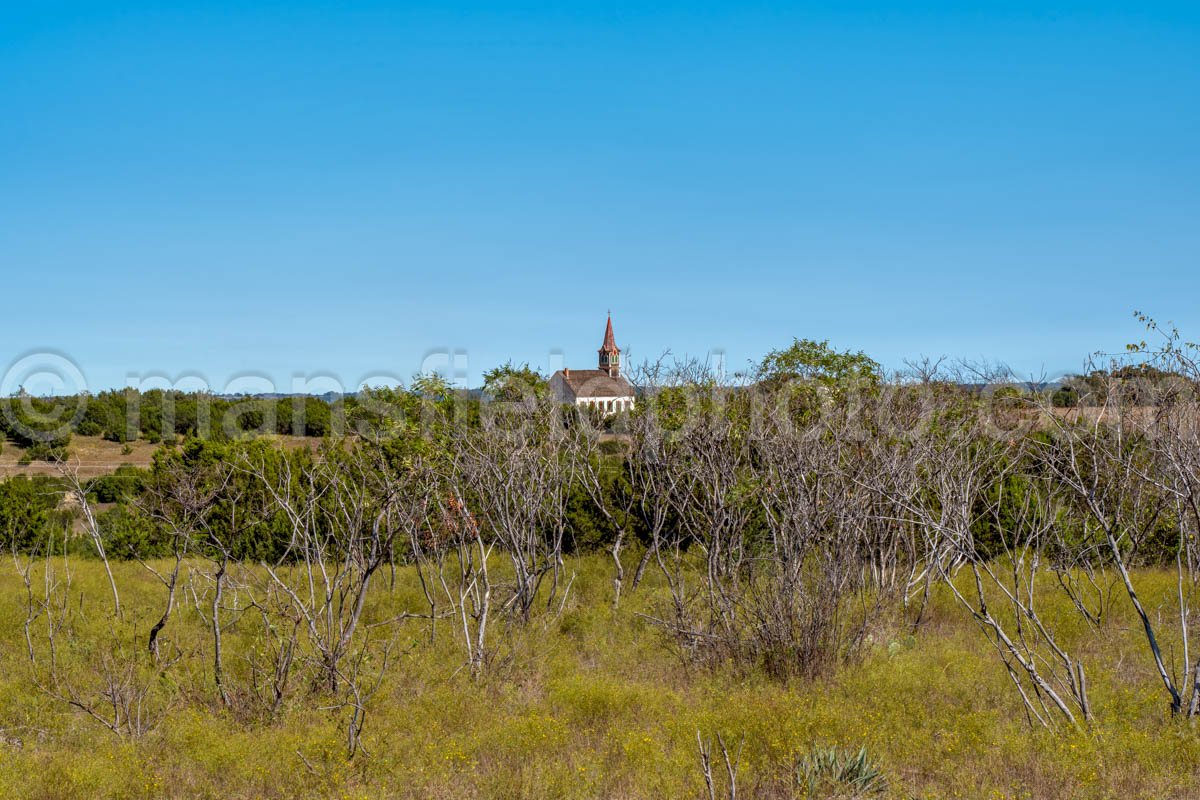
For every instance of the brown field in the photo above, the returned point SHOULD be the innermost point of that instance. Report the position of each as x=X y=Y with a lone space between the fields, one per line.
x=95 y=456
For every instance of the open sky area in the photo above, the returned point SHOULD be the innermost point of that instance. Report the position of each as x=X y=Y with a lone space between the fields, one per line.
x=348 y=189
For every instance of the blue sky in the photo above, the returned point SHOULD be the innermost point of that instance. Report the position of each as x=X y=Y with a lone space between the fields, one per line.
x=341 y=189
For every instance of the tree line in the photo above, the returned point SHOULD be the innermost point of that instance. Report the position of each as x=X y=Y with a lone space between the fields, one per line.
x=43 y=426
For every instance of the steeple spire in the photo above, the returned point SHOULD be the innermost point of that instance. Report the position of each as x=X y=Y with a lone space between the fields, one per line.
x=610 y=342
x=610 y=354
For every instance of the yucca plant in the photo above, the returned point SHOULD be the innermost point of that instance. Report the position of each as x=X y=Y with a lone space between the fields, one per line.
x=830 y=772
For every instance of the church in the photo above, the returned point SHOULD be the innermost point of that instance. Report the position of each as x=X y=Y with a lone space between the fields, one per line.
x=603 y=388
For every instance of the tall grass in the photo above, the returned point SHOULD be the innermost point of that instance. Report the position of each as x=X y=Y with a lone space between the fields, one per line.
x=589 y=703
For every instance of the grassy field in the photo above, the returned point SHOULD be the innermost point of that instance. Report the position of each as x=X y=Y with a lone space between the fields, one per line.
x=586 y=703
x=92 y=454
x=95 y=456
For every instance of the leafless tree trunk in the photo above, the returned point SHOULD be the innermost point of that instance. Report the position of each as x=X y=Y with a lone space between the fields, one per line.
x=344 y=510
x=967 y=472
x=180 y=498
x=79 y=490
x=730 y=763
x=1132 y=464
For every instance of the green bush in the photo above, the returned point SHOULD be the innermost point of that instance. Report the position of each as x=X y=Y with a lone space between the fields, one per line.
x=128 y=534
x=46 y=451
x=124 y=483
x=26 y=505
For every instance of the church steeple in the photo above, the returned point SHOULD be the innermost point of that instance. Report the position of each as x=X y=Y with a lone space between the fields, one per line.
x=610 y=354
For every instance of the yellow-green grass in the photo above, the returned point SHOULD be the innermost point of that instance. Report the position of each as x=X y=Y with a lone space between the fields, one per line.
x=589 y=703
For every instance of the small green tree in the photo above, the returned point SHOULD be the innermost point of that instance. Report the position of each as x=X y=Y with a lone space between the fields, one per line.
x=26 y=506
x=817 y=362
x=509 y=382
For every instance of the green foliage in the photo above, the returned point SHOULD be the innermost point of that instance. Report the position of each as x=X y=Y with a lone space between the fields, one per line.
x=1065 y=397
x=26 y=506
x=303 y=416
x=1007 y=393
x=817 y=362
x=509 y=383
x=265 y=536
x=674 y=406
x=125 y=482
x=587 y=530
x=42 y=425
x=613 y=447
x=112 y=411
x=383 y=413
x=431 y=386
x=95 y=419
x=46 y=451
x=157 y=415
x=128 y=534
x=830 y=772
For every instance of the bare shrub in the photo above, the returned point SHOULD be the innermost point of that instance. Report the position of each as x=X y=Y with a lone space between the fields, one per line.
x=514 y=473
x=343 y=510
x=777 y=554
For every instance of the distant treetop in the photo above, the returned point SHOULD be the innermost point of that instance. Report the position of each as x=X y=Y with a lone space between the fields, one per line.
x=809 y=360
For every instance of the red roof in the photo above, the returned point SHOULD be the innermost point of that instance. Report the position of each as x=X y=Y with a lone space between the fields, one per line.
x=592 y=383
x=610 y=342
